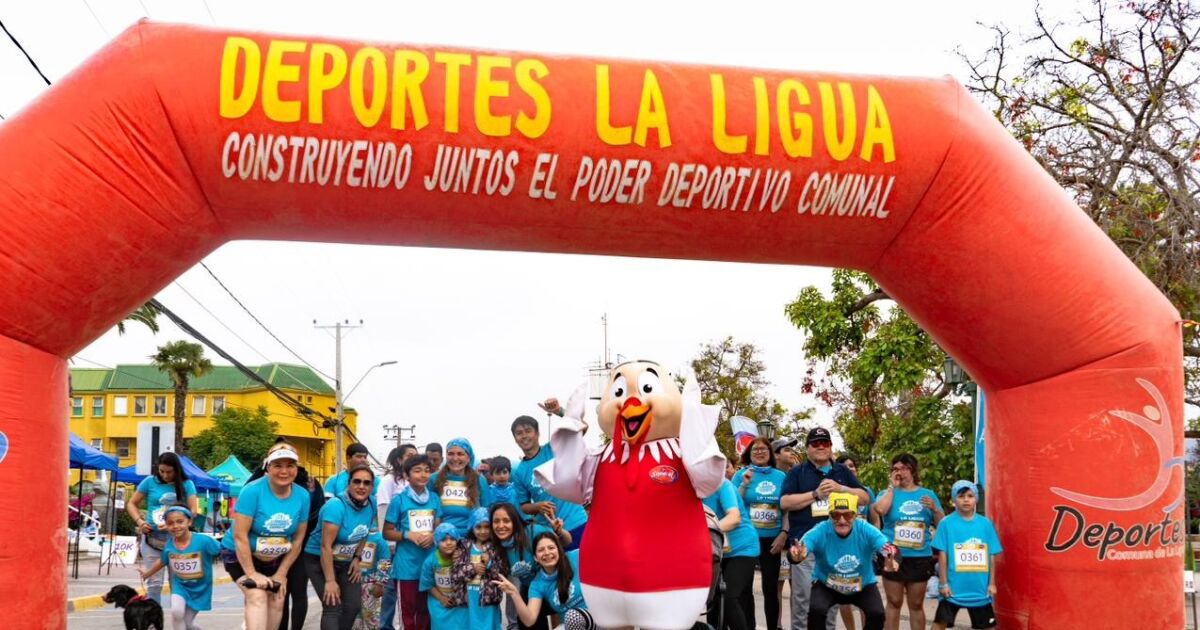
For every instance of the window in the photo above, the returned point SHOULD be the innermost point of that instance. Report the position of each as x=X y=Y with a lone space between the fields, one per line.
x=77 y=406
x=120 y=406
x=218 y=404
x=98 y=444
x=198 y=404
x=309 y=400
x=160 y=405
x=139 y=405
x=97 y=406
x=122 y=447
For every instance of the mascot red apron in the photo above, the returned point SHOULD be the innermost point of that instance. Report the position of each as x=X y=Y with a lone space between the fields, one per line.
x=646 y=558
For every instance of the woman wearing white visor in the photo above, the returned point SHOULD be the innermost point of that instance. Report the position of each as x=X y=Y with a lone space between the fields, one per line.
x=269 y=521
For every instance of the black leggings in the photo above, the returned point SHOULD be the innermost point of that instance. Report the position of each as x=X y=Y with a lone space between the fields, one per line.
x=823 y=598
x=297 y=596
x=342 y=615
x=739 y=580
x=769 y=563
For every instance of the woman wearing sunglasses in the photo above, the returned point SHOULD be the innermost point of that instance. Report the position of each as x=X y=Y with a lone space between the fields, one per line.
x=908 y=512
x=333 y=551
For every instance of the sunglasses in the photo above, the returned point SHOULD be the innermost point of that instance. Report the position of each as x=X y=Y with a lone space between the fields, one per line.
x=360 y=482
x=821 y=444
x=842 y=516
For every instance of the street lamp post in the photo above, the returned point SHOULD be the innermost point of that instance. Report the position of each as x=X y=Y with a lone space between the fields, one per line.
x=961 y=385
x=766 y=429
x=340 y=410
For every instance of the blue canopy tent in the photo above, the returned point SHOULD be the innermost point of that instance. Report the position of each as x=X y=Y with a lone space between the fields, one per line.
x=85 y=457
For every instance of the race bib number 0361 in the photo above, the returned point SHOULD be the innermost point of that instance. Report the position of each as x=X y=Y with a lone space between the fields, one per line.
x=971 y=558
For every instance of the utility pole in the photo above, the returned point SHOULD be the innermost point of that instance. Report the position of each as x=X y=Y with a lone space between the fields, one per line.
x=339 y=411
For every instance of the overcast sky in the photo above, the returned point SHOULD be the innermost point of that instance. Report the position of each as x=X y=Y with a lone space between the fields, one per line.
x=481 y=336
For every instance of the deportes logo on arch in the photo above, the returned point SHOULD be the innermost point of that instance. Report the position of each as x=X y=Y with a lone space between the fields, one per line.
x=1141 y=541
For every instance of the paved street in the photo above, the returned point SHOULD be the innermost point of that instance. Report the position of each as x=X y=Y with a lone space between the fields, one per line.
x=225 y=615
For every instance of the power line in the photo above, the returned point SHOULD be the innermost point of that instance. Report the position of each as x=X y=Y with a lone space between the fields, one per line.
x=210 y=14
x=22 y=49
x=262 y=325
x=96 y=17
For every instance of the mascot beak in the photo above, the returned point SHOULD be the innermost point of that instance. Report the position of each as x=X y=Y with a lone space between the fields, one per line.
x=635 y=419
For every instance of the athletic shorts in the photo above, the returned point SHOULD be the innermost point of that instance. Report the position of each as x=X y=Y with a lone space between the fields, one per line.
x=981 y=616
x=912 y=570
x=234 y=568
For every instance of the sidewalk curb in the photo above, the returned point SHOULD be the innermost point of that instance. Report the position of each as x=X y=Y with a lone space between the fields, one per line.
x=89 y=602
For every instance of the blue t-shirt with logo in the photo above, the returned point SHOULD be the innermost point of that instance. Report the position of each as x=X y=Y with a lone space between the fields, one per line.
x=844 y=564
x=191 y=569
x=969 y=545
x=354 y=524
x=526 y=489
x=907 y=523
x=545 y=588
x=274 y=519
x=743 y=542
x=454 y=500
x=762 y=499
x=374 y=552
x=406 y=515
x=160 y=496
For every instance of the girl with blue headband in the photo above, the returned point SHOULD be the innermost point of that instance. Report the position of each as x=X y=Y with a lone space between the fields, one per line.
x=447 y=600
x=459 y=487
x=190 y=557
x=478 y=567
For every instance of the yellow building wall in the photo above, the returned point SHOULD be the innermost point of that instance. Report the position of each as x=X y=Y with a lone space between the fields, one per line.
x=316 y=446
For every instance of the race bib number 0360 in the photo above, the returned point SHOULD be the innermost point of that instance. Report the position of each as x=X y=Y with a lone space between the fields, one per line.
x=971 y=558
x=910 y=534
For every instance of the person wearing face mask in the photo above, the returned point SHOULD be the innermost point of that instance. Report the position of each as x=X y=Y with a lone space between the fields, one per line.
x=841 y=549
x=334 y=551
x=759 y=483
x=806 y=491
x=908 y=512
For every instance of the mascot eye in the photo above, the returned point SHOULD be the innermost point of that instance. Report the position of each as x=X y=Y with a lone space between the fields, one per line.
x=617 y=390
x=648 y=382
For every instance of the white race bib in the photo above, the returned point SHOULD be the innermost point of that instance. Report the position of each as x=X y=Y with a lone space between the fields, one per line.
x=764 y=515
x=343 y=552
x=971 y=558
x=186 y=566
x=454 y=493
x=441 y=579
x=420 y=521
x=820 y=508
x=844 y=583
x=268 y=548
x=159 y=517
x=368 y=556
x=910 y=534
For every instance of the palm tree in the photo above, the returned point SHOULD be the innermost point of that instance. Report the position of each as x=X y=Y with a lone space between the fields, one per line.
x=181 y=360
x=145 y=314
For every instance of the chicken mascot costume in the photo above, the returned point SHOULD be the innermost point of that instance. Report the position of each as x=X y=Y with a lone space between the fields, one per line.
x=646 y=559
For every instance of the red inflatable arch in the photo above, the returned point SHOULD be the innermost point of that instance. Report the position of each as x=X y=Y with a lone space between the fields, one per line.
x=174 y=140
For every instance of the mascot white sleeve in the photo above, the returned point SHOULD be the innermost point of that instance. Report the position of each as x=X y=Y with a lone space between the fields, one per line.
x=646 y=558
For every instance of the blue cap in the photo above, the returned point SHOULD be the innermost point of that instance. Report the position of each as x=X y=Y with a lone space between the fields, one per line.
x=963 y=484
x=444 y=531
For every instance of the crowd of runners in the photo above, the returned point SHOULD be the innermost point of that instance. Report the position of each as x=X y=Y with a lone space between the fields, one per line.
x=445 y=540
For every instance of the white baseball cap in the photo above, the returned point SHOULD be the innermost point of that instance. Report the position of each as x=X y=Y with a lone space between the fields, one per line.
x=285 y=452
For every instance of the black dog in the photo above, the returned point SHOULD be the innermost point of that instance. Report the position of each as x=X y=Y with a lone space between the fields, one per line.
x=141 y=612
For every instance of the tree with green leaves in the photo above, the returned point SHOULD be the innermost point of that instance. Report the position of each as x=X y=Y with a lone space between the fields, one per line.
x=880 y=374
x=243 y=433
x=145 y=314
x=181 y=360
x=1107 y=105
x=731 y=375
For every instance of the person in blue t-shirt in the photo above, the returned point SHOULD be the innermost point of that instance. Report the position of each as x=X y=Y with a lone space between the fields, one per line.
x=908 y=511
x=479 y=565
x=459 y=486
x=515 y=538
x=447 y=601
x=741 y=552
x=269 y=523
x=760 y=484
x=375 y=563
x=502 y=488
x=333 y=552
x=411 y=520
x=843 y=574
x=168 y=486
x=529 y=495
x=356 y=455
x=967 y=544
x=556 y=584
x=190 y=557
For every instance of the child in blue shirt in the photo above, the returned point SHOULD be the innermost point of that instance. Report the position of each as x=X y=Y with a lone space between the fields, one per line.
x=477 y=566
x=502 y=490
x=411 y=518
x=190 y=557
x=375 y=563
x=966 y=544
x=447 y=601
